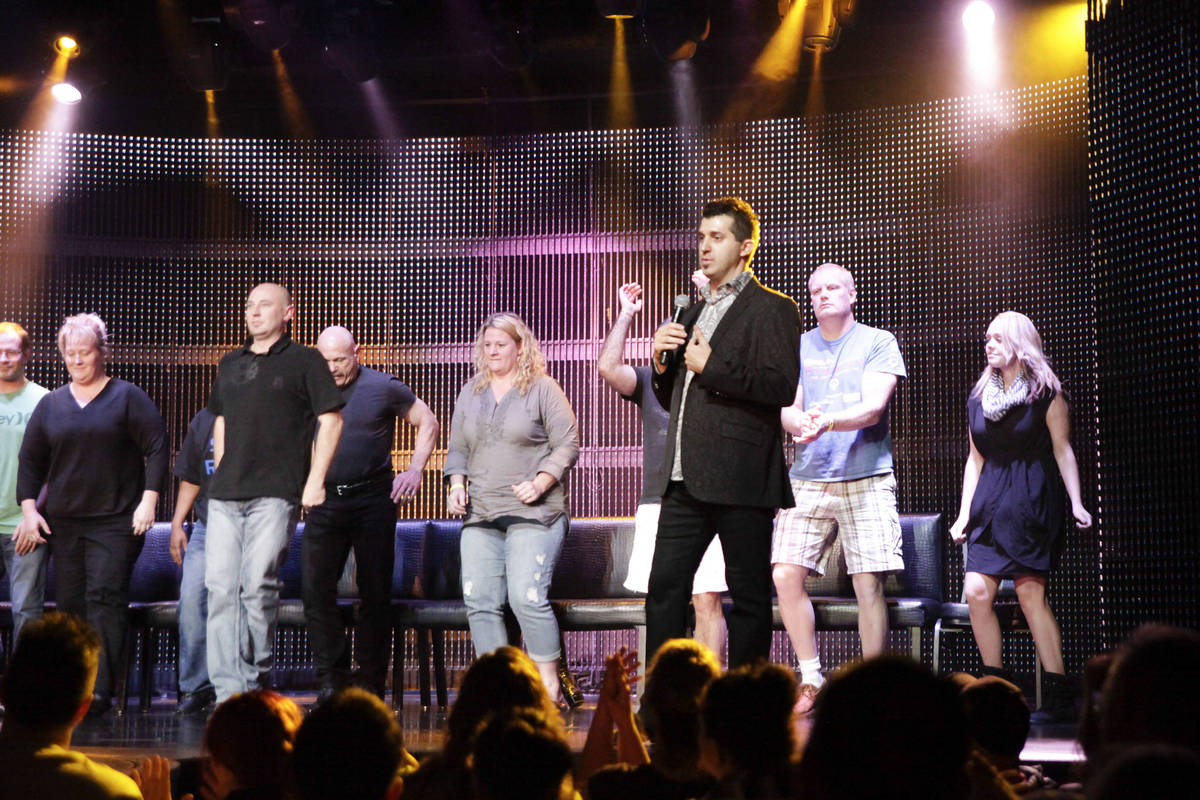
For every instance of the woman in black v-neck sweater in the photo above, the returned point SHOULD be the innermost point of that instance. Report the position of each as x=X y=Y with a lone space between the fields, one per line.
x=98 y=446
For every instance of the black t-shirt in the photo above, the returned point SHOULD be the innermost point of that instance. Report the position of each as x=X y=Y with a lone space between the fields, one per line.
x=96 y=460
x=270 y=402
x=194 y=463
x=654 y=429
x=373 y=402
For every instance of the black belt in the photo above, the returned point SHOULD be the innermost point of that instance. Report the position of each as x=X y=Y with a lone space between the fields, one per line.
x=350 y=489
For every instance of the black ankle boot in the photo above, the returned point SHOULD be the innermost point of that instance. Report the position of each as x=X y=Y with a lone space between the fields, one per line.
x=1058 y=700
x=566 y=682
x=998 y=672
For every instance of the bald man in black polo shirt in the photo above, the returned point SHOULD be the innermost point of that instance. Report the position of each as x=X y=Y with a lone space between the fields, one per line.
x=359 y=511
x=270 y=397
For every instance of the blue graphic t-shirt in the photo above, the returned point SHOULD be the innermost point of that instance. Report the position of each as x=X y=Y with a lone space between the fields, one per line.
x=194 y=463
x=831 y=374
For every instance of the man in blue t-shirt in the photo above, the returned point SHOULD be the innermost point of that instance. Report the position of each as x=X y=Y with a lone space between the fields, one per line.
x=359 y=512
x=194 y=467
x=842 y=476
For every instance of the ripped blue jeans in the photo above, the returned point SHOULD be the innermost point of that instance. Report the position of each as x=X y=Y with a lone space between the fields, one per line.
x=514 y=562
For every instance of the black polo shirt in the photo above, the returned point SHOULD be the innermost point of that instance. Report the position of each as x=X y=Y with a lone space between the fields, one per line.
x=270 y=402
x=373 y=402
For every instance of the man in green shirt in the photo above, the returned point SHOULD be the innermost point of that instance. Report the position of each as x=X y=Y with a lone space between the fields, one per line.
x=24 y=560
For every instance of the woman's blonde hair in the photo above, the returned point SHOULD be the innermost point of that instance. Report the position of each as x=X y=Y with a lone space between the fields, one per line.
x=85 y=325
x=1019 y=338
x=530 y=363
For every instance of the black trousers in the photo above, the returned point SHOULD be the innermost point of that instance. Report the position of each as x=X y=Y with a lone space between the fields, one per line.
x=366 y=522
x=685 y=528
x=93 y=562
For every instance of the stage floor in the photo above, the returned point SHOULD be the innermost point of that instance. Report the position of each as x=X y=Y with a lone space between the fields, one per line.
x=121 y=740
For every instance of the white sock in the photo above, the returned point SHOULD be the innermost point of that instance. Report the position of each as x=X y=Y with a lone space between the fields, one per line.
x=810 y=671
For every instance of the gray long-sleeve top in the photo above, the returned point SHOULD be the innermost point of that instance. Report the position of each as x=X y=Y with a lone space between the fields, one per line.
x=498 y=445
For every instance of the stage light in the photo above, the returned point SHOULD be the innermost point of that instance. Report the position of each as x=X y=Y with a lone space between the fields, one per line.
x=620 y=87
x=510 y=29
x=268 y=24
x=66 y=94
x=978 y=18
x=1051 y=43
x=618 y=9
x=66 y=46
x=206 y=55
x=675 y=28
x=353 y=57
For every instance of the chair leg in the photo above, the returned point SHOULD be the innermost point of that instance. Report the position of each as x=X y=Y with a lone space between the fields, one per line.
x=439 y=666
x=397 y=668
x=122 y=699
x=147 y=672
x=937 y=646
x=423 y=667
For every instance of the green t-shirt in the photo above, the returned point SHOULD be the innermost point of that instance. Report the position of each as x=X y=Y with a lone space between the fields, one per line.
x=15 y=410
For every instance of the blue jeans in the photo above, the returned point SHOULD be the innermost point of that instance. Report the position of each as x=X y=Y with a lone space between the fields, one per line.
x=246 y=545
x=26 y=581
x=193 y=617
x=514 y=561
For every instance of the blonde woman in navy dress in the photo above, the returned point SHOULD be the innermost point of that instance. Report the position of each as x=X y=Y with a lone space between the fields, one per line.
x=1018 y=480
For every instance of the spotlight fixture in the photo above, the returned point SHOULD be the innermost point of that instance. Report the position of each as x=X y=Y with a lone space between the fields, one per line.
x=618 y=9
x=66 y=94
x=823 y=20
x=510 y=33
x=978 y=17
x=206 y=55
x=66 y=45
x=268 y=24
x=675 y=28
x=349 y=46
x=354 y=58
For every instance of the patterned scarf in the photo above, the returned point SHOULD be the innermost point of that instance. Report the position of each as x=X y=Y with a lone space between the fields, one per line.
x=996 y=401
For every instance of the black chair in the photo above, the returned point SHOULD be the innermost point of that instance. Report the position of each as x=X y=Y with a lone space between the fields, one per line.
x=956 y=619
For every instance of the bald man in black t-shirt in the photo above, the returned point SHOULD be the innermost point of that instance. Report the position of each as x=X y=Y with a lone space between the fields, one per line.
x=359 y=511
x=270 y=397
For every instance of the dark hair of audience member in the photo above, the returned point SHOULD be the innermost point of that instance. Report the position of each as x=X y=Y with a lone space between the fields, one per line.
x=521 y=754
x=500 y=680
x=1147 y=772
x=1152 y=693
x=675 y=682
x=52 y=672
x=251 y=735
x=350 y=747
x=747 y=716
x=997 y=719
x=886 y=727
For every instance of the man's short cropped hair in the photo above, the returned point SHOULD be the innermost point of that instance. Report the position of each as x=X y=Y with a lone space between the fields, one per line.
x=745 y=221
x=52 y=670
x=13 y=329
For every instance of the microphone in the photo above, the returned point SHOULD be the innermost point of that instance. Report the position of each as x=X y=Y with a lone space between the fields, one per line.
x=682 y=301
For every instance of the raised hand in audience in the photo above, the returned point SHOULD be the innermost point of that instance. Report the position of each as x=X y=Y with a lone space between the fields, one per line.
x=153 y=777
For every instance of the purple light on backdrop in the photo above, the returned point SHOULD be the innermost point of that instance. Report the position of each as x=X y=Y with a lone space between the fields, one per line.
x=380 y=109
x=683 y=92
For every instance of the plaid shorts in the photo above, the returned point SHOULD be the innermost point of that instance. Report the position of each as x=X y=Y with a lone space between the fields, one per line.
x=862 y=512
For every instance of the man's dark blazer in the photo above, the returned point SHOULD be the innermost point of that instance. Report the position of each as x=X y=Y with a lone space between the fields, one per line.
x=732 y=438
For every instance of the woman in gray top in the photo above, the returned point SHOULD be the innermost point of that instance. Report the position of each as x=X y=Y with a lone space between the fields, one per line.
x=512 y=439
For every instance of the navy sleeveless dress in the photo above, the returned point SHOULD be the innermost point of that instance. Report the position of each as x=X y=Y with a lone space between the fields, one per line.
x=1019 y=507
